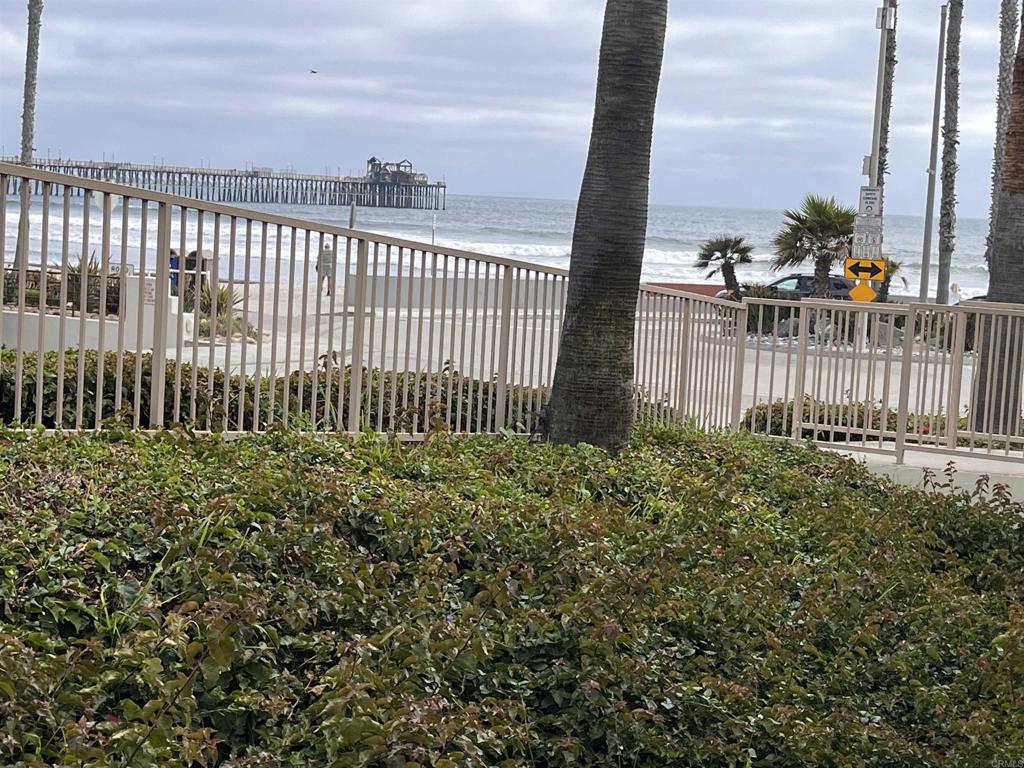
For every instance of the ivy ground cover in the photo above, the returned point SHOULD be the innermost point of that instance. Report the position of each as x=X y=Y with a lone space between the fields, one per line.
x=288 y=600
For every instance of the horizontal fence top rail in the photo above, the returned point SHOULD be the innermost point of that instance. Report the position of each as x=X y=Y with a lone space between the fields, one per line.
x=699 y=297
x=830 y=304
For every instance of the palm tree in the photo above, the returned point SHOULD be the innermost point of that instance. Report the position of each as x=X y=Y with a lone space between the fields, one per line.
x=592 y=394
x=821 y=231
x=892 y=269
x=890 y=72
x=28 y=117
x=1008 y=20
x=725 y=252
x=950 y=140
x=28 y=113
x=1006 y=280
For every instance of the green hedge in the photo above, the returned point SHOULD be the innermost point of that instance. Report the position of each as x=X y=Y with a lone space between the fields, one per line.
x=412 y=404
x=822 y=422
x=72 y=292
x=694 y=601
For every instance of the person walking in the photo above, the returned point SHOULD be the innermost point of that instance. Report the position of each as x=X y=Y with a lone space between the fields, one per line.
x=326 y=266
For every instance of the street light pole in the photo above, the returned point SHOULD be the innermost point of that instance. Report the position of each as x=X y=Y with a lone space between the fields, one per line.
x=929 y=216
x=883 y=22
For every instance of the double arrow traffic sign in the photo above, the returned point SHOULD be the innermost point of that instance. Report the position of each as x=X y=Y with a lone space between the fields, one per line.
x=865 y=269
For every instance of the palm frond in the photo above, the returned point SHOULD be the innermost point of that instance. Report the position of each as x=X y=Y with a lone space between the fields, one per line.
x=731 y=249
x=821 y=228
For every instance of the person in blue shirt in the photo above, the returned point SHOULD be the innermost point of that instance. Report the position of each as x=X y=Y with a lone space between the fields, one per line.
x=174 y=272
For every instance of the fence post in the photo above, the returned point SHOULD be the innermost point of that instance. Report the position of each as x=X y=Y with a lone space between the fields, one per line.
x=738 y=366
x=800 y=385
x=684 y=362
x=355 y=397
x=501 y=406
x=161 y=308
x=905 y=368
x=956 y=373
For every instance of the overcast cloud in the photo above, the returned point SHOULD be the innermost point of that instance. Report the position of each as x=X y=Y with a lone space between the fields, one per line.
x=761 y=100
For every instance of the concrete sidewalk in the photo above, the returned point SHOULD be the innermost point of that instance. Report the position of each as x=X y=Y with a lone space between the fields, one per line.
x=970 y=469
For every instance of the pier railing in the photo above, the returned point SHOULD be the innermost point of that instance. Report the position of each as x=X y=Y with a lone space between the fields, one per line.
x=233 y=320
x=252 y=185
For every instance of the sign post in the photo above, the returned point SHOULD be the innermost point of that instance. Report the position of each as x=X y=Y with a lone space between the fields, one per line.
x=866 y=263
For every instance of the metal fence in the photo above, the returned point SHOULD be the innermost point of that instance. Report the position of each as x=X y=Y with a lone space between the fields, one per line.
x=299 y=322
x=227 y=319
x=887 y=378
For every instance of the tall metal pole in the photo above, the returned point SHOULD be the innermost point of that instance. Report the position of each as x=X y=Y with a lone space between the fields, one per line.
x=876 y=139
x=929 y=216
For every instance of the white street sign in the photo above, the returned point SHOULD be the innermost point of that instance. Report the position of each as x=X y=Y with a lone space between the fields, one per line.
x=867 y=238
x=867 y=252
x=870 y=201
x=868 y=224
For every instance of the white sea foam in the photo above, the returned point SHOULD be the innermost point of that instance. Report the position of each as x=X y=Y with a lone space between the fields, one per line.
x=539 y=232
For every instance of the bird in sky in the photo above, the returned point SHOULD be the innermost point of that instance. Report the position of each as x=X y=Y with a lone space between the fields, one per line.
x=313 y=72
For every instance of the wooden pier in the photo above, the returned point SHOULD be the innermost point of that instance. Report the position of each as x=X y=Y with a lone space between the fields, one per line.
x=386 y=185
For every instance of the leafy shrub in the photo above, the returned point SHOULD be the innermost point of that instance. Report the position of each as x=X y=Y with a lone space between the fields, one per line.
x=73 y=290
x=694 y=601
x=764 y=318
x=860 y=420
x=426 y=401
x=229 y=322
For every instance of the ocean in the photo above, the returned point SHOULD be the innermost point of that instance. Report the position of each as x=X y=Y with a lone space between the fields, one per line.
x=540 y=231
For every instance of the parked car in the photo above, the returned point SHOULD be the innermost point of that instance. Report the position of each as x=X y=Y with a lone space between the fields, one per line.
x=796 y=287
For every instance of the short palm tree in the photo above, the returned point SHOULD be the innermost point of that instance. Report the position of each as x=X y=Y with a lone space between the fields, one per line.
x=723 y=253
x=892 y=269
x=821 y=232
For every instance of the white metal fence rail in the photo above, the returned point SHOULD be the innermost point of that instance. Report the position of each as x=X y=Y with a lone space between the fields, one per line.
x=228 y=319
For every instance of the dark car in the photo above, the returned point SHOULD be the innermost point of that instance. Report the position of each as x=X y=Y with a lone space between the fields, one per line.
x=795 y=287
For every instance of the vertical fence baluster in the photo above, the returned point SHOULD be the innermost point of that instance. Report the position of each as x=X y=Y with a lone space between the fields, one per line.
x=358 y=340
x=160 y=317
x=505 y=331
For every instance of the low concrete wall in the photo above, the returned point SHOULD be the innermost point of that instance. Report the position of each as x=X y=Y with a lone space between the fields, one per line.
x=87 y=335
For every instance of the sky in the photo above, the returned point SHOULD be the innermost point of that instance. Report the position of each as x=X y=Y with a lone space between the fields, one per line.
x=761 y=101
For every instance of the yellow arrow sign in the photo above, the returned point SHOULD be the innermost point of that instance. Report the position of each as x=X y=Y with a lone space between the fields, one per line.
x=865 y=269
x=863 y=291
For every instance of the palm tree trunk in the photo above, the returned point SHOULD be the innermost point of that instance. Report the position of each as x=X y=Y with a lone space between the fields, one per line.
x=883 y=289
x=28 y=112
x=731 y=283
x=890 y=72
x=1002 y=351
x=592 y=395
x=822 y=286
x=1009 y=19
x=950 y=140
